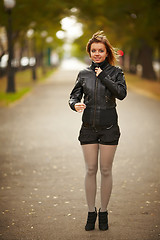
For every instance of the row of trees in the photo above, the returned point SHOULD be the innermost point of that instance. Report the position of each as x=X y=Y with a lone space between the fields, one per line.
x=133 y=26
x=35 y=15
x=33 y=22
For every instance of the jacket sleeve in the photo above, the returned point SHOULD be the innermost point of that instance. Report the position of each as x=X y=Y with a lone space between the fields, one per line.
x=115 y=84
x=77 y=93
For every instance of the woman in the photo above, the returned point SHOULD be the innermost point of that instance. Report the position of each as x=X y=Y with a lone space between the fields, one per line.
x=99 y=84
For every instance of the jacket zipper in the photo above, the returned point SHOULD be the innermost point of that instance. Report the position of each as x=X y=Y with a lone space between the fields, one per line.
x=95 y=101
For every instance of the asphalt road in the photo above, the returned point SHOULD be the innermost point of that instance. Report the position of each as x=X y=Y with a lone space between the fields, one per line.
x=42 y=170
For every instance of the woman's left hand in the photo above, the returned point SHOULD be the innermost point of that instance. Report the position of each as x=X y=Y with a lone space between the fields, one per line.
x=98 y=70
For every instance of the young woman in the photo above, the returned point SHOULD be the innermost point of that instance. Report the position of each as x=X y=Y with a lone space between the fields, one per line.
x=99 y=84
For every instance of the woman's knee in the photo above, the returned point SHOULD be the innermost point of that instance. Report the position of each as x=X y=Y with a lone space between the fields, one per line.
x=91 y=170
x=106 y=171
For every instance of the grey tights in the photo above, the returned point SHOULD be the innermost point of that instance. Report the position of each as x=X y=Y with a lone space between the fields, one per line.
x=91 y=153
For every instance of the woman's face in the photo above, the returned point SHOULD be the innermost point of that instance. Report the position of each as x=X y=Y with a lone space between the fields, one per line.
x=98 y=52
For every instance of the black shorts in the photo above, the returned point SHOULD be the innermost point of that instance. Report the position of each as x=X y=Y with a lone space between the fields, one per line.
x=108 y=135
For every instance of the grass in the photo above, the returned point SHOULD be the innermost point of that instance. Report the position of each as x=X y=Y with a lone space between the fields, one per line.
x=143 y=86
x=24 y=84
x=7 y=98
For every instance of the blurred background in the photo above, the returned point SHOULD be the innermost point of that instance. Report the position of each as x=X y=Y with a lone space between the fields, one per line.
x=36 y=36
x=42 y=48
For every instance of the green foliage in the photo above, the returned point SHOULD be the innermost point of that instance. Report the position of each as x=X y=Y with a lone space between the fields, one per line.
x=39 y=15
x=128 y=24
x=78 y=51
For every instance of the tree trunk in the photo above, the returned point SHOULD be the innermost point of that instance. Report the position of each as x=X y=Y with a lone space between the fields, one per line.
x=126 y=62
x=34 y=73
x=132 y=62
x=145 y=59
x=10 y=70
x=34 y=66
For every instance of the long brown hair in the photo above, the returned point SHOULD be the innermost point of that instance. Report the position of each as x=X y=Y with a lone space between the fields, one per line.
x=100 y=37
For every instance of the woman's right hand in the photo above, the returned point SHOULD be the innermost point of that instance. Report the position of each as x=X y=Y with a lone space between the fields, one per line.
x=80 y=107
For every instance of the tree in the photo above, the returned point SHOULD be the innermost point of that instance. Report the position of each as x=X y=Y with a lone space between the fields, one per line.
x=134 y=25
x=33 y=14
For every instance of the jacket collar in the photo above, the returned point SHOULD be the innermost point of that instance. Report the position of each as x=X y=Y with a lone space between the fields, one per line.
x=103 y=65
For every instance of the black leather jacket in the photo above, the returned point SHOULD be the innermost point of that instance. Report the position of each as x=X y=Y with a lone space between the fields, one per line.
x=99 y=92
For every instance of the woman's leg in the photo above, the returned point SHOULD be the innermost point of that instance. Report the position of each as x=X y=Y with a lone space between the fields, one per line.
x=107 y=153
x=90 y=152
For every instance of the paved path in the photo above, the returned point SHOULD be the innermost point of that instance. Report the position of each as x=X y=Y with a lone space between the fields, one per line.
x=42 y=170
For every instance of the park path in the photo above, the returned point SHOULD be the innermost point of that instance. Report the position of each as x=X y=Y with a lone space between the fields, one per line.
x=42 y=171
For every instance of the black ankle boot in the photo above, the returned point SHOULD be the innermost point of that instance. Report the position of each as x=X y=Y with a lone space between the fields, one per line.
x=103 y=220
x=90 y=225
